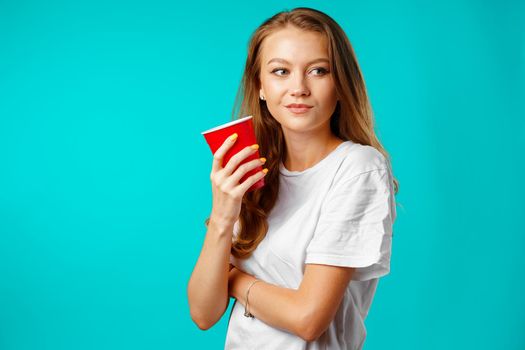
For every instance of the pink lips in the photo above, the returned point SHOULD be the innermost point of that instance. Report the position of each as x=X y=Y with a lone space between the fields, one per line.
x=298 y=108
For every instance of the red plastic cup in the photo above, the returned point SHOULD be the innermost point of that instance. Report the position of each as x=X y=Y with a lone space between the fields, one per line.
x=215 y=137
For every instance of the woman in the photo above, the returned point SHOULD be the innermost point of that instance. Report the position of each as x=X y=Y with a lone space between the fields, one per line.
x=306 y=250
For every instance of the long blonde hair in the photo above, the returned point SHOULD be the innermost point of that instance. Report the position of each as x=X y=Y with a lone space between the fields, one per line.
x=352 y=119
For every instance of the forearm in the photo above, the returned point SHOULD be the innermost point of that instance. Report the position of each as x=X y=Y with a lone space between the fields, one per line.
x=277 y=306
x=208 y=285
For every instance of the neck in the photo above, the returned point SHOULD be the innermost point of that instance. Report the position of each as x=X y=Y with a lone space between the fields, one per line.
x=303 y=153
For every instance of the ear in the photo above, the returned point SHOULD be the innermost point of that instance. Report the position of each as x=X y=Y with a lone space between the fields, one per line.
x=262 y=95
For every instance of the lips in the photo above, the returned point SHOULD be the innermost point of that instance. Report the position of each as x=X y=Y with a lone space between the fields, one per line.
x=298 y=108
x=298 y=105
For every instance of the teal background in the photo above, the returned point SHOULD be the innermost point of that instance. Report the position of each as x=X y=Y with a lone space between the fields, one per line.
x=104 y=176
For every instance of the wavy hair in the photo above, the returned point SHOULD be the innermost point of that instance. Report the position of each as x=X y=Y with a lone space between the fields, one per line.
x=352 y=119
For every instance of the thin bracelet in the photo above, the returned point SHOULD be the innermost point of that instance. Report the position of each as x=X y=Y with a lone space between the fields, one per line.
x=246 y=312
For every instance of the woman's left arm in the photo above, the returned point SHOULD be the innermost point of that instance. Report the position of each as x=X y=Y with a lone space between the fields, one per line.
x=307 y=311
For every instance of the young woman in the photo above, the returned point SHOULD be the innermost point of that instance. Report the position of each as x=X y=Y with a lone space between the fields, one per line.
x=301 y=256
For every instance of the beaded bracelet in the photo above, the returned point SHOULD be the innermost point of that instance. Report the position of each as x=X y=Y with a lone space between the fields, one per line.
x=246 y=312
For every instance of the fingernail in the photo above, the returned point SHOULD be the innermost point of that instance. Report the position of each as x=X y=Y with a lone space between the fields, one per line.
x=233 y=137
x=263 y=160
x=265 y=170
x=256 y=146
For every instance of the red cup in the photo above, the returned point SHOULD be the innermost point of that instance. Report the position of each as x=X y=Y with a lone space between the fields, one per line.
x=215 y=137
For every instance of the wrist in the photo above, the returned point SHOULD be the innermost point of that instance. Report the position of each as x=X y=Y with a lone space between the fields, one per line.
x=246 y=282
x=247 y=306
x=222 y=227
x=237 y=284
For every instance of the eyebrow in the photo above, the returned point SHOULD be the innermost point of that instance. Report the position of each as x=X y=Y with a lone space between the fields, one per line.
x=282 y=60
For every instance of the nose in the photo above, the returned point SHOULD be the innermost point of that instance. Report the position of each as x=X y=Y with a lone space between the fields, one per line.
x=299 y=86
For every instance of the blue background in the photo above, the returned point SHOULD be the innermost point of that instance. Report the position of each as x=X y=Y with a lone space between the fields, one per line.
x=104 y=175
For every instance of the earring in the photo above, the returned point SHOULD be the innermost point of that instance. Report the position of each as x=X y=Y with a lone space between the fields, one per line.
x=261 y=97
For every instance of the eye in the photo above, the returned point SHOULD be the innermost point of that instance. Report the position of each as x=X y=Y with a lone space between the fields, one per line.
x=322 y=70
x=278 y=69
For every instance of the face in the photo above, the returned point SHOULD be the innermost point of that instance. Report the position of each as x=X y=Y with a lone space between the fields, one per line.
x=295 y=70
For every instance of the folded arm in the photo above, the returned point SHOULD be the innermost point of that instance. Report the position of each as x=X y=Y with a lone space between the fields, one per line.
x=307 y=311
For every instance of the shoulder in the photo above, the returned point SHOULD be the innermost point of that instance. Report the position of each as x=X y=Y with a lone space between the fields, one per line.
x=359 y=159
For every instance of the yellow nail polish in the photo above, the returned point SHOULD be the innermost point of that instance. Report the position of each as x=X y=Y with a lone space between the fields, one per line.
x=263 y=160
x=265 y=170
x=233 y=137
x=256 y=146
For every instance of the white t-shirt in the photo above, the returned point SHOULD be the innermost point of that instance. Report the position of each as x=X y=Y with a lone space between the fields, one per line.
x=338 y=212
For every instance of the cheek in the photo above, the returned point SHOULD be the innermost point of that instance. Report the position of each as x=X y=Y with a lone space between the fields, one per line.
x=274 y=89
x=327 y=94
x=324 y=91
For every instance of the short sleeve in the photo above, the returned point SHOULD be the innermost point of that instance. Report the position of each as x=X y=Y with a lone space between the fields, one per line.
x=355 y=225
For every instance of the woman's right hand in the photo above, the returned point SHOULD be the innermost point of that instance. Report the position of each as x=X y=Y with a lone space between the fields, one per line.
x=226 y=190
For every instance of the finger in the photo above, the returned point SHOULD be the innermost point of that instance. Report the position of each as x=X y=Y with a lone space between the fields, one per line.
x=251 y=180
x=237 y=159
x=218 y=156
x=245 y=168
